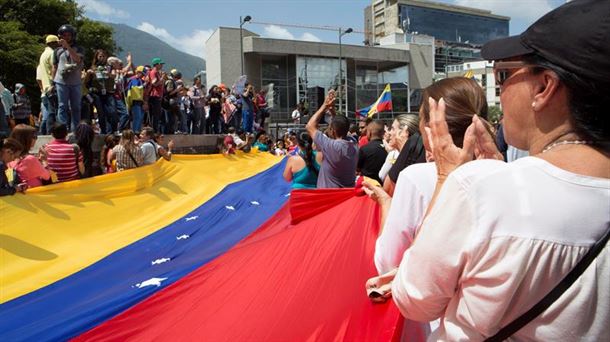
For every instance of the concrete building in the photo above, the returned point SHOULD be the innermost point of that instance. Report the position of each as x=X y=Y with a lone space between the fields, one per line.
x=302 y=71
x=482 y=72
x=458 y=31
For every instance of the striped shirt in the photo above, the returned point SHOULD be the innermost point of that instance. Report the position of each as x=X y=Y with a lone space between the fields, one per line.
x=61 y=158
x=123 y=159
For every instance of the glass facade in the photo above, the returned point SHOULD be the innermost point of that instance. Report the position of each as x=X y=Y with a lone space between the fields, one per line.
x=452 y=26
x=302 y=78
x=371 y=79
x=318 y=72
x=279 y=71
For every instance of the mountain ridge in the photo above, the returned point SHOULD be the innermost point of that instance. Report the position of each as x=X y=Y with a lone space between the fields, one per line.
x=144 y=47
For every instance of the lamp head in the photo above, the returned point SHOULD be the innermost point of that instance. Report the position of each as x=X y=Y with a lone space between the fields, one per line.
x=247 y=18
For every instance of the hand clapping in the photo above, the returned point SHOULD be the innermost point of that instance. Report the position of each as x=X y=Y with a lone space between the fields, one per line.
x=478 y=142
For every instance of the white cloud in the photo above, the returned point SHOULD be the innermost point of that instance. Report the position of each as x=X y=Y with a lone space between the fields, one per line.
x=193 y=44
x=527 y=11
x=103 y=9
x=274 y=31
x=310 y=37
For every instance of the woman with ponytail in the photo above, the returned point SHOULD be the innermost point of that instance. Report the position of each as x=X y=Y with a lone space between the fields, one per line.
x=302 y=169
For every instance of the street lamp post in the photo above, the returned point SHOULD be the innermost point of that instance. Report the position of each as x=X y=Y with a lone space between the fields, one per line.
x=341 y=34
x=241 y=39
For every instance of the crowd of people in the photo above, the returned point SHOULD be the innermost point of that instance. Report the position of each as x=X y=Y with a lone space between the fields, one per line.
x=113 y=96
x=478 y=243
x=70 y=156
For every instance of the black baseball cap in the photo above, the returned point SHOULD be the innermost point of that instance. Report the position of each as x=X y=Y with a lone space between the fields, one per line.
x=574 y=36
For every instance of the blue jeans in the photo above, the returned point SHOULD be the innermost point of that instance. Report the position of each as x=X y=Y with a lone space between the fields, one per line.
x=156 y=113
x=198 y=120
x=106 y=112
x=69 y=96
x=49 y=112
x=4 y=129
x=184 y=127
x=138 y=116
x=121 y=110
x=248 y=120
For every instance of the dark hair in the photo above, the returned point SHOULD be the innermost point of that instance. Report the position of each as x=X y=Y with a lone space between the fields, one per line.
x=305 y=144
x=11 y=144
x=231 y=130
x=109 y=143
x=94 y=62
x=84 y=135
x=353 y=128
x=463 y=97
x=588 y=102
x=376 y=128
x=59 y=131
x=340 y=125
x=25 y=134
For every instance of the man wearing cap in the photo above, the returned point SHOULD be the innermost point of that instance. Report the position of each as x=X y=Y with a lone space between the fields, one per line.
x=156 y=93
x=67 y=68
x=44 y=74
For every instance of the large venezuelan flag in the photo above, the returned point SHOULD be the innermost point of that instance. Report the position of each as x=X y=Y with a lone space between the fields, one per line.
x=200 y=248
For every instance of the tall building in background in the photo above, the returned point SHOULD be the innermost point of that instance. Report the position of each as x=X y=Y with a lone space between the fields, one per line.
x=459 y=32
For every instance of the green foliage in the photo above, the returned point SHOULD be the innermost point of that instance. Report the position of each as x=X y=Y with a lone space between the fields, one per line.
x=93 y=35
x=23 y=26
x=40 y=17
x=494 y=114
x=19 y=53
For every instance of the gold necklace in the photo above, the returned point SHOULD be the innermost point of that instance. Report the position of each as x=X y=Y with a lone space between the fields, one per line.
x=566 y=142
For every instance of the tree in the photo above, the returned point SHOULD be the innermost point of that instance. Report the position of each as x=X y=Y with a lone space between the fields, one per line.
x=19 y=52
x=24 y=25
x=93 y=35
x=40 y=17
x=494 y=114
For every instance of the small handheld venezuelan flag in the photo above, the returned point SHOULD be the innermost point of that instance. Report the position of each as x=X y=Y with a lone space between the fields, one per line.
x=383 y=103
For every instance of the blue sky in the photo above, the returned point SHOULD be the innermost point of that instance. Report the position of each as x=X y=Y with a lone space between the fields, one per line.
x=186 y=24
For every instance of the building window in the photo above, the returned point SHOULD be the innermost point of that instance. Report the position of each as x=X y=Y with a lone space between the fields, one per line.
x=314 y=73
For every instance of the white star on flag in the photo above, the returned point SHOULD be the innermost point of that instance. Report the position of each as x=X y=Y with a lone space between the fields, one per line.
x=160 y=261
x=151 y=282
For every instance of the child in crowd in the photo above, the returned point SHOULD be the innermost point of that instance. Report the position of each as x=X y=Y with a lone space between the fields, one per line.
x=21 y=108
x=280 y=148
x=9 y=182
x=186 y=111
x=106 y=162
x=261 y=142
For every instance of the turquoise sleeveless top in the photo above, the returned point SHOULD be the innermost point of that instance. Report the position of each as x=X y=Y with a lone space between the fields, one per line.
x=305 y=178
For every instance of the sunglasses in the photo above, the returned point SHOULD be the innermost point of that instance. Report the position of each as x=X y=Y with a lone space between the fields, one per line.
x=502 y=70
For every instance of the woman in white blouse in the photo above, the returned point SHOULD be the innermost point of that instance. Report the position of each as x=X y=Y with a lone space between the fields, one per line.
x=500 y=236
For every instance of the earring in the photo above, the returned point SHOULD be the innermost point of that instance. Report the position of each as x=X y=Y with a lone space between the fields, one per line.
x=534 y=105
